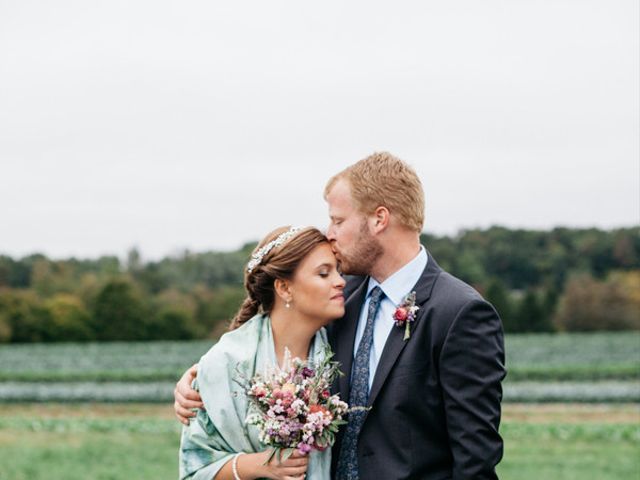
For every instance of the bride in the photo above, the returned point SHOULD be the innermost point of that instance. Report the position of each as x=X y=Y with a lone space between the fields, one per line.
x=293 y=290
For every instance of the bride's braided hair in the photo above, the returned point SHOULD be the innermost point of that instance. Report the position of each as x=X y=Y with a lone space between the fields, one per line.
x=279 y=263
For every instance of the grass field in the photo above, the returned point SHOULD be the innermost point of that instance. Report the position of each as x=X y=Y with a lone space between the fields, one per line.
x=112 y=441
x=140 y=441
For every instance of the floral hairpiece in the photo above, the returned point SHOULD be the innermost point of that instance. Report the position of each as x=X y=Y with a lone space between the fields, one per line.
x=257 y=257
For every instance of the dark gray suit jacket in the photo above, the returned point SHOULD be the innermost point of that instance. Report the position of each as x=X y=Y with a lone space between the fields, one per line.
x=435 y=398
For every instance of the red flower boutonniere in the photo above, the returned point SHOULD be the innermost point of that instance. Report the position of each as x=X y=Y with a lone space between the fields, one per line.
x=405 y=314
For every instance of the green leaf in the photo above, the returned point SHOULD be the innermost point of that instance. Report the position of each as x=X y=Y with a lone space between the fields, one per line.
x=273 y=453
x=287 y=453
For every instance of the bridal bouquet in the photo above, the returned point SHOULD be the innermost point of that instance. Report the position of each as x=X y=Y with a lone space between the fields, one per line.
x=294 y=408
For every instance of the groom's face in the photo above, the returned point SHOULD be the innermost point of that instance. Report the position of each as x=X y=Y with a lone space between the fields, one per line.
x=355 y=247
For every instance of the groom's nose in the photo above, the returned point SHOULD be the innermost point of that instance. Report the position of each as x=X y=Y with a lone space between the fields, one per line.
x=331 y=233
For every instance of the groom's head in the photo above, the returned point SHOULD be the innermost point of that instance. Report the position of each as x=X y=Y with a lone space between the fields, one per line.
x=372 y=204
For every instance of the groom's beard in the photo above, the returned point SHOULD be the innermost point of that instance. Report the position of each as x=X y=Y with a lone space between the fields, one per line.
x=362 y=257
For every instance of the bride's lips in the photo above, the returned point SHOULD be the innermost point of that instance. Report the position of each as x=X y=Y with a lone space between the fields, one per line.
x=339 y=296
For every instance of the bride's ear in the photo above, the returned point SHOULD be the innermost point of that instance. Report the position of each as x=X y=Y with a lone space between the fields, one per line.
x=283 y=289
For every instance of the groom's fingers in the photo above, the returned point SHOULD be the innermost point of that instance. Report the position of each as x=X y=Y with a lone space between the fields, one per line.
x=185 y=402
x=182 y=414
x=183 y=387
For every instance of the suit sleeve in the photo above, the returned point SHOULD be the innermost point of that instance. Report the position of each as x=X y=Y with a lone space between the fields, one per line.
x=471 y=371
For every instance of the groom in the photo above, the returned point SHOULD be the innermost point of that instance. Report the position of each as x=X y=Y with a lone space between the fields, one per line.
x=417 y=345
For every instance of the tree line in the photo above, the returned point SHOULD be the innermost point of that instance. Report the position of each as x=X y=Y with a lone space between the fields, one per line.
x=539 y=281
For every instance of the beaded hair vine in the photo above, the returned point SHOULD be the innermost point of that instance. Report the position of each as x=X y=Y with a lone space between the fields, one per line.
x=257 y=257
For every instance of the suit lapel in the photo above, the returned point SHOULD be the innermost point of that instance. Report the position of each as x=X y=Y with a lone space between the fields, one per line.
x=395 y=341
x=346 y=335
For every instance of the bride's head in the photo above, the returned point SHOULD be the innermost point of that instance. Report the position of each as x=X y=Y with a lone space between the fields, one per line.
x=293 y=268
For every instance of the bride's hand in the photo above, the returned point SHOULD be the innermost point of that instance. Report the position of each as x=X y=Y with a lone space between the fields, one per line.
x=293 y=468
x=186 y=397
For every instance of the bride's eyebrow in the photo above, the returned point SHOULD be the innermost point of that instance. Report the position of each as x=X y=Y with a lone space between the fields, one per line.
x=325 y=265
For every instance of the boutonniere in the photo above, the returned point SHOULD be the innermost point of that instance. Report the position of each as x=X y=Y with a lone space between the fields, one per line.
x=405 y=314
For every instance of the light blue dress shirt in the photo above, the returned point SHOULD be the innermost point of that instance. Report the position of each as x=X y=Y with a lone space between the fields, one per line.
x=395 y=289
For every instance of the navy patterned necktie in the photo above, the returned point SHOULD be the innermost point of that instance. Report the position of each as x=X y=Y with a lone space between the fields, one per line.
x=359 y=394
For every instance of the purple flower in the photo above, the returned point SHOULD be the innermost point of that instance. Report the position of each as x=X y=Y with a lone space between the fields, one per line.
x=304 y=448
x=307 y=372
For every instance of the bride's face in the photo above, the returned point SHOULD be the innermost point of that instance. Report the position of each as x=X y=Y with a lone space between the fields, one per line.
x=317 y=286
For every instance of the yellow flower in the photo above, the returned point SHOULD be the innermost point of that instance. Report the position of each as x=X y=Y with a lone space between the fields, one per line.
x=289 y=387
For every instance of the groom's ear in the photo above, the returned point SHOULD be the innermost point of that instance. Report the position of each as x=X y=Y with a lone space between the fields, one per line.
x=380 y=219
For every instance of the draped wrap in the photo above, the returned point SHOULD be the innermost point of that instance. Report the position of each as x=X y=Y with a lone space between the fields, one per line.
x=217 y=434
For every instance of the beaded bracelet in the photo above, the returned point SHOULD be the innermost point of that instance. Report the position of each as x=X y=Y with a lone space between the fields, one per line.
x=234 y=466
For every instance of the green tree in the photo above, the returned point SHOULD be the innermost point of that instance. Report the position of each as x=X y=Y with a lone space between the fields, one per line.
x=530 y=315
x=589 y=304
x=217 y=307
x=174 y=317
x=120 y=312
x=5 y=328
x=173 y=324
x=27 y=318
x=498 y=295
x=69 y=319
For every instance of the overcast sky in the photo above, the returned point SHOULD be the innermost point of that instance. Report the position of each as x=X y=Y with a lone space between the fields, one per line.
x=203 y=125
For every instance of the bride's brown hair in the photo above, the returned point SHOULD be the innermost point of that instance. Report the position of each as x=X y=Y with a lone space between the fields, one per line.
x=280 y=263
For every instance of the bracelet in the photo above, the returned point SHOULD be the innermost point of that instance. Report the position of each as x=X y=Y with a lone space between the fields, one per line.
x=234 y=466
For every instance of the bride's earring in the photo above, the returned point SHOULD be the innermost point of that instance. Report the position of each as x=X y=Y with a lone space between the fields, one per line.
x=288 y=304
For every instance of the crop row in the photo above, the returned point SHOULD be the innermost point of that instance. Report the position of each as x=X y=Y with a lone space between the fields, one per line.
x=514 y=430
x=616 y=352
x=541 y=373
x=143 y=358
x=163 y=392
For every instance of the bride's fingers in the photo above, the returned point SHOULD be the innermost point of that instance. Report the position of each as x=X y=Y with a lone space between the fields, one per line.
x=295 y=462
x=296 y=454
x=296 y=477
x=295 y=471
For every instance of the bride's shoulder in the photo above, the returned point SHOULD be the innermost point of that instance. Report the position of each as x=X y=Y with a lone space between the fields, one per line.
x=235 y=346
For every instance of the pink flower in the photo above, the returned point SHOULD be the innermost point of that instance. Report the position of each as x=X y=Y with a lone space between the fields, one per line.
x=405 y=314
x=318 y=408
x=401 y=314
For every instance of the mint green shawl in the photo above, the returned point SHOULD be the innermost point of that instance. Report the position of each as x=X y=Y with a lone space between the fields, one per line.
x=214 y=436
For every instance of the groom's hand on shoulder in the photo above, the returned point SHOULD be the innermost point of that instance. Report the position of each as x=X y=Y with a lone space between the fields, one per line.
x=186 y=398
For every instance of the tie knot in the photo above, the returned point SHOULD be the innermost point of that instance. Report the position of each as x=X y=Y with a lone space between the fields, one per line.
x=376 y=295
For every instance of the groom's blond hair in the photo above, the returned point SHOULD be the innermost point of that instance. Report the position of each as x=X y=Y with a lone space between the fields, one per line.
x=384 y=180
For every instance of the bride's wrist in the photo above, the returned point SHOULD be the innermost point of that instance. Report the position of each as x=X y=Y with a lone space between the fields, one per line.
x=251 y=466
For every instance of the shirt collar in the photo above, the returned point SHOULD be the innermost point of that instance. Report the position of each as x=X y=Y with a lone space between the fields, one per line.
x=398 y=285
